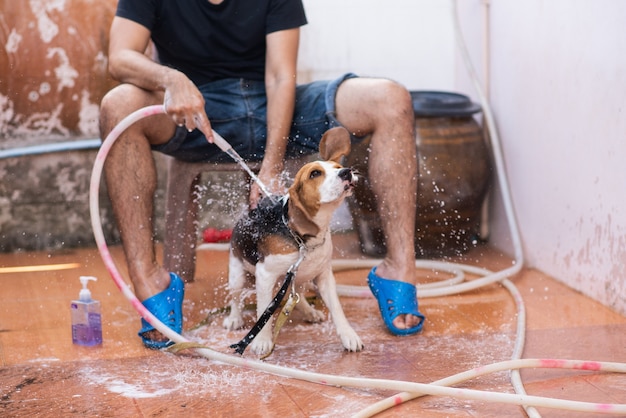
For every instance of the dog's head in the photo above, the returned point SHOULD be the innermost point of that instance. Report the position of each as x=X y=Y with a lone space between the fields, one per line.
x=320 y=186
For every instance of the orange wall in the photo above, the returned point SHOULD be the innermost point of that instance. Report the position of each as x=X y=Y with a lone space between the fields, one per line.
x=53 y=68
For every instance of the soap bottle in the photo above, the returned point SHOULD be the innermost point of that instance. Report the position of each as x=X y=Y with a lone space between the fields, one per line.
x=86 y=319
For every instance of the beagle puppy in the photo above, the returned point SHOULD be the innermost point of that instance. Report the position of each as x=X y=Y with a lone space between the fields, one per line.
x=267 y=241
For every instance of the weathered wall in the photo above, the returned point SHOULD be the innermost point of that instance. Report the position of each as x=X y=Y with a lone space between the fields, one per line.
x=53 y=68
x=53 y=74
x=52 y=77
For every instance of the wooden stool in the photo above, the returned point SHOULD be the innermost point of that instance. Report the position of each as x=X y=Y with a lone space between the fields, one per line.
x=181 y=209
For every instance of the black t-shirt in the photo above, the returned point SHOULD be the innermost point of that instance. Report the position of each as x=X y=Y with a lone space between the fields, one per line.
x=210 y=42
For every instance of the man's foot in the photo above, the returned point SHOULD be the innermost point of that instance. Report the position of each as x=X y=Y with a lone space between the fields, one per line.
x=167 y=307
x=406 y=321
x=397 y=302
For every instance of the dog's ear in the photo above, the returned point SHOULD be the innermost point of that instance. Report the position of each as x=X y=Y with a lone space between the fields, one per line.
x=335 y=144
x=300 y=219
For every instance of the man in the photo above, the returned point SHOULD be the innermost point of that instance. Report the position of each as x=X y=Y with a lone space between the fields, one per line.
x=230 y=65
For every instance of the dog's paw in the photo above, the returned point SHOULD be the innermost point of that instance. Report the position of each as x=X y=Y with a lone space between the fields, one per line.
x=309 y=313
x=261 y=346
x=314 y=315
x=232 y=322
x=350 y=340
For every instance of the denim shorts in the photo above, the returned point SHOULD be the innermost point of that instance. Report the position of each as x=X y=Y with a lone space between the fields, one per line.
x=237 y=111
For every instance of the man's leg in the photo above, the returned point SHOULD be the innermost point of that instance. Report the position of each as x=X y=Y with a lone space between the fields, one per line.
x=384 y=109
x=130 y=175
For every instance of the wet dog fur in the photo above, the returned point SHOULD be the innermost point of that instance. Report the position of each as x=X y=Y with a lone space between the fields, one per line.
x=263 y=244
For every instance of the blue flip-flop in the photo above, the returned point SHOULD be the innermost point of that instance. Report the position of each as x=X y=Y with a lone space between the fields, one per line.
x=395 y=298
x=167 y=306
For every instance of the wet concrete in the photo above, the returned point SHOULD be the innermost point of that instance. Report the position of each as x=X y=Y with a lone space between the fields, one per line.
x=43 y=374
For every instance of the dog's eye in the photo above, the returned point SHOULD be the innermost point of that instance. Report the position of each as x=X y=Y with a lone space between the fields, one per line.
x=315 y=173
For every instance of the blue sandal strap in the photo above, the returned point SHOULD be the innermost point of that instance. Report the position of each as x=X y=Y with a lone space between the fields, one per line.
x=167 y=306
x=395 y=298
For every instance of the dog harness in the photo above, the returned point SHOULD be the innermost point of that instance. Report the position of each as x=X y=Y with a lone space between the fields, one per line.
x=294 y=298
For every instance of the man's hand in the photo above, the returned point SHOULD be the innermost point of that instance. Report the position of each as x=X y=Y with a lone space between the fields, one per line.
x=272 y=180
x=185 y=104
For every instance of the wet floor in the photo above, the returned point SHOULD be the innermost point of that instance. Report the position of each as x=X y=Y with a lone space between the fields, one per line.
x=43 y=374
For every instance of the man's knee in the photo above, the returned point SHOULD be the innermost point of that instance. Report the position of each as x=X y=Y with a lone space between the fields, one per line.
x=113 y=106
x=395 y=98
x=377 y=99
x=120 y=102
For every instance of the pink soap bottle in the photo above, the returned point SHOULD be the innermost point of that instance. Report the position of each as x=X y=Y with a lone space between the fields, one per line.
x=86 y=318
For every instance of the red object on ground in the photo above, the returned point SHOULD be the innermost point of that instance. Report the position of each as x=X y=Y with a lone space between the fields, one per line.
x=217 y=235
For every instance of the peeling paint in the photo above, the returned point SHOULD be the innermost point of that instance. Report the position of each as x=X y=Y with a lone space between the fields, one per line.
x=101 y=62
x=44 y=88
x=48 y=30
x=64 y=72
x=597 y=265
x=52 y=53
x=13 y=42
x=5 y=211
x=13 y=125
x=7 y=113
x=53 y=74
x=65 y=183
x=89 y=115
x=43 y=124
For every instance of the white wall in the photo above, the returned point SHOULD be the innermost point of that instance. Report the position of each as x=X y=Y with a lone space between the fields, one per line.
x=409 y=41
x=558 y=91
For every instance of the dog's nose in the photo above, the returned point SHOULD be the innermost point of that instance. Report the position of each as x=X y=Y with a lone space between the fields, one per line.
x=345 y=174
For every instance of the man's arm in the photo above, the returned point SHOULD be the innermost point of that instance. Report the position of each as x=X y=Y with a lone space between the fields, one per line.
x=129 y=64
x=280 y=83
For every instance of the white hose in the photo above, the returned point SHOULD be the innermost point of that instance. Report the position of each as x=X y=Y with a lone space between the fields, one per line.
x=325 y=379
x=456 y=284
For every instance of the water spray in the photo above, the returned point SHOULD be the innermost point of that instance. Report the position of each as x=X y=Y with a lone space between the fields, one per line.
x=409 y=390
x=228 y=149
x=454 y=285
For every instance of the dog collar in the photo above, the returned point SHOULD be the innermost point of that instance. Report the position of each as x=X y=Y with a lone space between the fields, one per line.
x=297 y=237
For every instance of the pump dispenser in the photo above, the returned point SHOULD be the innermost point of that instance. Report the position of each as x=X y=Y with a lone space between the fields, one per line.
x=86 y=319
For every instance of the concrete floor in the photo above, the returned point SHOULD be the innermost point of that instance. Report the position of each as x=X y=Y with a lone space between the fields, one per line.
x=43 y=374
